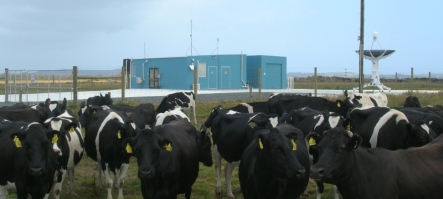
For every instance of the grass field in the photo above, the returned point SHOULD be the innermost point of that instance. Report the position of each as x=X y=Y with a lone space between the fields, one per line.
x=204 y=187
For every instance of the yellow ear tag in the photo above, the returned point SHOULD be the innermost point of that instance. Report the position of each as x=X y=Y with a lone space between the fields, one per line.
x=356 y=143
x=294 y=146
x=17 y=142
x=168 y=147
x=260 y=143
x=128 y=148
x=54 y=138
x=348 y=127
x=71 y=130
x=93 y=112
x=338 y=104
x=312 y=142
x=119 y=135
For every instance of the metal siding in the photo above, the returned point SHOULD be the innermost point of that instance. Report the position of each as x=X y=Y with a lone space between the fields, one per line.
x=273 y=76
x=254 y=62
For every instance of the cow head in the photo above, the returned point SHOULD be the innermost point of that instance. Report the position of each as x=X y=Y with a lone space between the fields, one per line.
x=276 y=154
x=65 y=127
x=53 y=108
x=82 y=109
x=87 y=114
x=106 y=99
x=412 y=101
x=264 y=121
x=335 y=149
x=418 y=134
x=204 y=144
x=149 y=148
x=212 y=115
x=36 y=142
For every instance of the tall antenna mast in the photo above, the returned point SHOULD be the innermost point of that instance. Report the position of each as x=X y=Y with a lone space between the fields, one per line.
x=191 y=37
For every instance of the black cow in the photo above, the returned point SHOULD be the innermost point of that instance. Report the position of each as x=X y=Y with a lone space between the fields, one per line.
x=388 y=128
x=274 y=165
x=252 y=107
x=231 y=134
x=15 y=106
x=184 y=100
x=366 y=173
x=103 y=138
x=70 y=147
x=95 y=101
x=280 y=104
x=27 y=115
x=434 y=122
x=167 y=161
x=27 y=158
x=143 y=115
x=309 y=120
x=412 y=101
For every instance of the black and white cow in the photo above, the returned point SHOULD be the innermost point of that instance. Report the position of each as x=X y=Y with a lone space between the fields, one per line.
x=27 y=159
x=274 y=164
x=168 y=116
x=143 y=115
x=368 y=99
x=70 y=147
x=388 y=128
x=167 y=159
x=281 y=104
x=231 y=134
x=103 y=143
x=251 y=107
x=366 y=173
x=412 y=101
x=309 y=120
x=184 y=100
x=434 y=122
x=54 y=108
x=95 y=101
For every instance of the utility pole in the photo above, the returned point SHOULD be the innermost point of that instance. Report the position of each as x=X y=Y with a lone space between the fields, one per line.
x=361 y=38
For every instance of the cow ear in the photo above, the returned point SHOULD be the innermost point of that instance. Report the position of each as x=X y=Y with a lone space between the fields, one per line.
x=408 y=129
x=70 y=127
x=339 y=103
x=354 y=142
x=292 y=135
x=203 y=130
x=326 y=113
x=166 y=144
x=64 y=104
x=128 y=145
x=347 y=124
x=53 y=136
x=258 y=119
x=17 y=137
x=313 y=139
x=47 y=102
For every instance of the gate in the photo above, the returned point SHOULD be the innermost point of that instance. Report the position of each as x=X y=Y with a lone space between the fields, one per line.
x=38 y=85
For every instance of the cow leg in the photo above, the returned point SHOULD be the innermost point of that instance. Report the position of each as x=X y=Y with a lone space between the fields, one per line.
x=229 y=169
x=109 y=181
x=3 y=192
x=336 y=192
x=195 y=117
x=59 y=182
x=121 y=179
x=71 y=182
x=217 y=161
x=98 y=181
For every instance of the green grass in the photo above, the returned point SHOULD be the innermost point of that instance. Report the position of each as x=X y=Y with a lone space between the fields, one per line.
x=204 y=187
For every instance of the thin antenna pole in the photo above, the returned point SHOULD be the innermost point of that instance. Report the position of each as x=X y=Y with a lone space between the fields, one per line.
x=191 y=38
x=362 y=26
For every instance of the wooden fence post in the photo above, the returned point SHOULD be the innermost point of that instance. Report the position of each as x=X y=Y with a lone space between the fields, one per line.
x=429 y=80
x=315 y=81
x=412 y=79
x=75 y=83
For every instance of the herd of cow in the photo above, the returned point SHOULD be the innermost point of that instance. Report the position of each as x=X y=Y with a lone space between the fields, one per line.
x=358 y=144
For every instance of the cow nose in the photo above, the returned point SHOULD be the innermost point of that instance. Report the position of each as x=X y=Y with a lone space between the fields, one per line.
x=317 y=173
x=58 y=152
x=36 y=171
x=145 y=173
x=300 y=173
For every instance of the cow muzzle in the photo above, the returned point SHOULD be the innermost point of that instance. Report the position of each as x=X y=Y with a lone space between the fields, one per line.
x=300 y=173
x=317 y=173
x=36 y=171
x=146 y=174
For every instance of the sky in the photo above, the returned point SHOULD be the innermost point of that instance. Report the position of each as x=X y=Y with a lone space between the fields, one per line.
x=99 y=34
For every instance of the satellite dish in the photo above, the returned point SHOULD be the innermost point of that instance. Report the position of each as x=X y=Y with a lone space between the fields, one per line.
x=191 y=66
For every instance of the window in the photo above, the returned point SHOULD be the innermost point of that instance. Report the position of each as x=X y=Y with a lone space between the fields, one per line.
x=202 y=69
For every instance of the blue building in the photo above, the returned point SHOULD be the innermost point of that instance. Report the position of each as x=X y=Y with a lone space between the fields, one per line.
x=213 y=71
